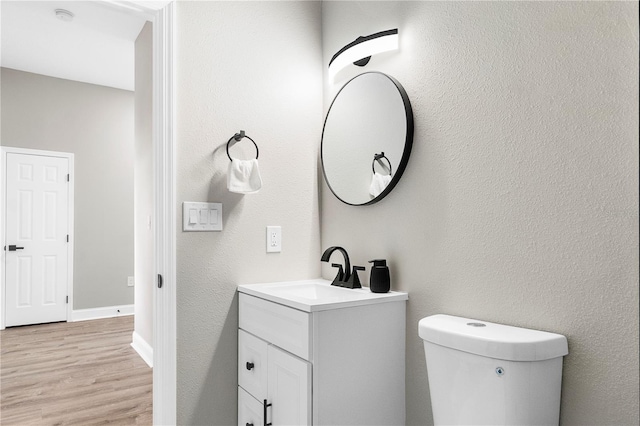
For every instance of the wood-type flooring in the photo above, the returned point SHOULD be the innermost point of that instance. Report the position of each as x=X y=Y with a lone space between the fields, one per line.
x=76 y=373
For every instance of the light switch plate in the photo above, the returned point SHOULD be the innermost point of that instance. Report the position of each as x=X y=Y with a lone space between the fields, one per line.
x=201 y=216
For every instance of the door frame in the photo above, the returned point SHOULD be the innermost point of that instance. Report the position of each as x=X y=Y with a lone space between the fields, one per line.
x=165 y=217
x=70 y=221
x=165 y=213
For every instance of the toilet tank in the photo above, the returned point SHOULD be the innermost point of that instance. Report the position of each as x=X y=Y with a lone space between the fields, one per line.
x=482 y=373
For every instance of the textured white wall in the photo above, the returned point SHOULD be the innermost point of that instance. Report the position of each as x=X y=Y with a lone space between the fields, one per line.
x=254 y=66
x=520 y=201
x=96 y=124
x=143 y=186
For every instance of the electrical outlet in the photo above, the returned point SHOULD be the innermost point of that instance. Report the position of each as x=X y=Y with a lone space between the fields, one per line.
x=274 y=239
x=130 y=281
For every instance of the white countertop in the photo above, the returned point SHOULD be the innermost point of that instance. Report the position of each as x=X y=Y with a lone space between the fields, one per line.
x=318 y=294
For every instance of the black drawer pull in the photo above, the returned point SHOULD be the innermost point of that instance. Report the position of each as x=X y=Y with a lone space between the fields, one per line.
x=249 y=424
x=250 y=366
x=264 y=411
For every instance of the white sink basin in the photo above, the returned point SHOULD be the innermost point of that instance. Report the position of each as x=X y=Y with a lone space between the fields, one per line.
x=317 y=294
x=312 y=291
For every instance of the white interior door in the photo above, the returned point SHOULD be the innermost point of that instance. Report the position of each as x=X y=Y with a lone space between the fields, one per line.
x=36 y=238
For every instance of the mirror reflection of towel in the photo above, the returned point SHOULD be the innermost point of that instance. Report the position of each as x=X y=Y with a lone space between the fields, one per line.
x=378 y=184
x=243 y=176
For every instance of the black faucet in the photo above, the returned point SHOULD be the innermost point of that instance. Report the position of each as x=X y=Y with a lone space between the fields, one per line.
x=344 y=278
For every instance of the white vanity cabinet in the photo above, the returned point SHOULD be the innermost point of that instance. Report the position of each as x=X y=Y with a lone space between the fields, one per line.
x=305 y=362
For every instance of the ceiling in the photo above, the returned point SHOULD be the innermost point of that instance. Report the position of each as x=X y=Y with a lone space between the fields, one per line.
x=96 y=47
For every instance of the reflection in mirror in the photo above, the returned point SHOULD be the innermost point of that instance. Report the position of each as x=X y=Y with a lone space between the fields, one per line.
x=367 y=138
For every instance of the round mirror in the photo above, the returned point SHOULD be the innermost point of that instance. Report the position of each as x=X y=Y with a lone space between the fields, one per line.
x=367 y=138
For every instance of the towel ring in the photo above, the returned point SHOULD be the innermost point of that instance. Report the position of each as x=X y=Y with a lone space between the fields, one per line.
x=378 y=158
x=238 y=137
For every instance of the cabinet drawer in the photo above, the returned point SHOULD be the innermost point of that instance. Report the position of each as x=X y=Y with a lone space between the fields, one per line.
x=252 y=364
x=285 y=327
x=250 y=410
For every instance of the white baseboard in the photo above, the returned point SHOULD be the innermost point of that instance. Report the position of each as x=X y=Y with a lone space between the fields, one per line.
x=143 y=348
x=99 y=313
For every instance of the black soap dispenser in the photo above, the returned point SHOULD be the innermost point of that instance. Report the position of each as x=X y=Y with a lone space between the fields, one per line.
x=379 y=281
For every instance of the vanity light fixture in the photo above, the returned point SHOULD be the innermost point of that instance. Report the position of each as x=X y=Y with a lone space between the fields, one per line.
x=361 y=49
x=64 y=15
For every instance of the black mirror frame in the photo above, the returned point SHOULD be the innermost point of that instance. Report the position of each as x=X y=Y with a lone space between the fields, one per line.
x=408 y=143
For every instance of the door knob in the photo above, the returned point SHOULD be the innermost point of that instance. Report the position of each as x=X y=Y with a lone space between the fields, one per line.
x=14 y=248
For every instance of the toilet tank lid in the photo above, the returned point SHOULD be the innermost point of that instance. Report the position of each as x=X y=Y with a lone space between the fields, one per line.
x=492 y=340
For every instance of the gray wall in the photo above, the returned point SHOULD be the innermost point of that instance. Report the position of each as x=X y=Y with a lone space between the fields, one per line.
x=143 y=186
x=254 y=66
x=96 y=124
x=519 y=204
x=520 y=201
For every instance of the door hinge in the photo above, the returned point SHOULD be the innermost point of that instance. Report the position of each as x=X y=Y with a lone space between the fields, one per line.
x=67 y=299
x=67 y=237
x=68 y=177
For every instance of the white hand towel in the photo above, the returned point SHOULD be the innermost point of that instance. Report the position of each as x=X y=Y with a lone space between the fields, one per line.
x=244 y=176
x=378 y=184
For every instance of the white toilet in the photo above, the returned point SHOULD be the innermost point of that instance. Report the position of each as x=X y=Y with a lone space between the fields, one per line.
x=481 y=373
